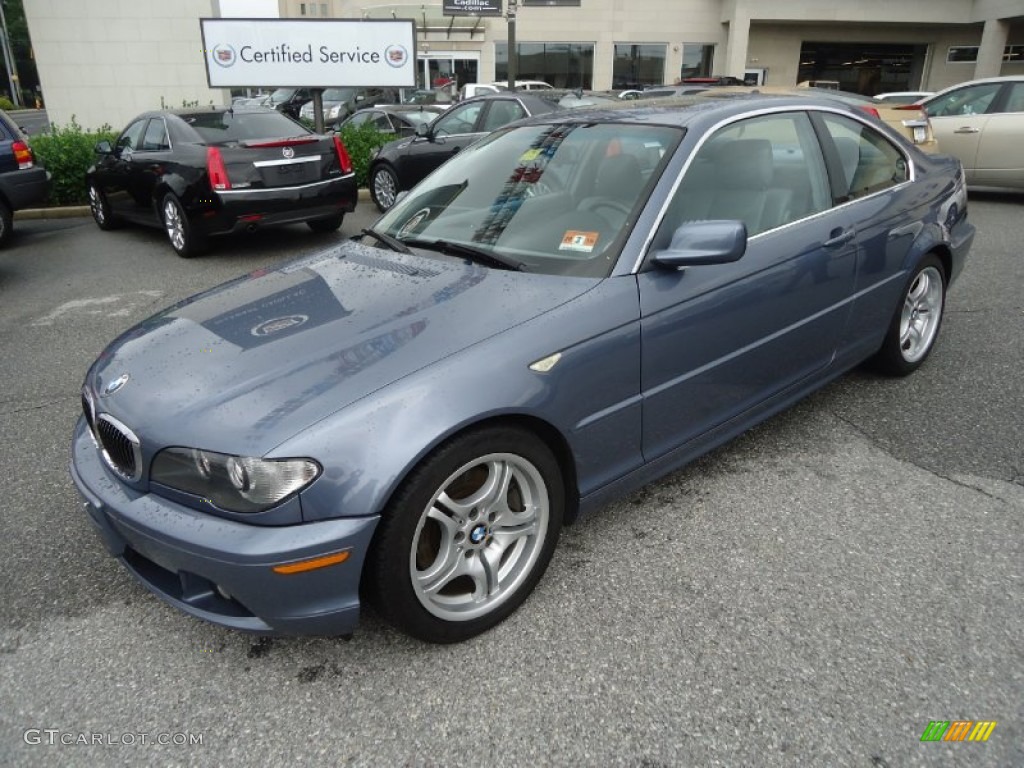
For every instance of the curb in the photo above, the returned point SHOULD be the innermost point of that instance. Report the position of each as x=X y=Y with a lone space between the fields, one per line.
x=73 y=211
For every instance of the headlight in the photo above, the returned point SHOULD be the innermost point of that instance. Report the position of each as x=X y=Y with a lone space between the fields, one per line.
x=234 y=483
x=335 y=111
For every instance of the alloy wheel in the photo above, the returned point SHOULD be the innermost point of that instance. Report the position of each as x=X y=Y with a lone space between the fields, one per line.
x=921 y=315
x=479 y=537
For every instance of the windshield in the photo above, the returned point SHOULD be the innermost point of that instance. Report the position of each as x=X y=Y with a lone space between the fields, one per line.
x=281 y=95
x=237 y=125
x=339 y=94
x=557 y=198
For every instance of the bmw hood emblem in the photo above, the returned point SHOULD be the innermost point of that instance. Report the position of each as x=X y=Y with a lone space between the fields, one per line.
x=115 y=385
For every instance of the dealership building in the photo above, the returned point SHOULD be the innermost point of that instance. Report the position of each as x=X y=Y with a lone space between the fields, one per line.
x=105 y=61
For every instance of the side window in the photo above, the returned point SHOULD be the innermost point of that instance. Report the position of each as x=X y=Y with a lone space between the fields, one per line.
x=868 y=161
x=1015 y=103
x=382 y=123
x=765 y=171
x=155 y=137
x=459 y=119
x=972 y=100
x=502 y=112
x=359 y=118
x=131 y=139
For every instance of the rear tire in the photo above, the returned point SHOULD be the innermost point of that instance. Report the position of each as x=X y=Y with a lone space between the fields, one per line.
x=6 y=224
x=330 y=224
x=184 y=238
x=468 y=535
x=915 y=323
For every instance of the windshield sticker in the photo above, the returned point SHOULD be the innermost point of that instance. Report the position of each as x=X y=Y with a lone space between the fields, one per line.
x=574 y=240
x=529 y=155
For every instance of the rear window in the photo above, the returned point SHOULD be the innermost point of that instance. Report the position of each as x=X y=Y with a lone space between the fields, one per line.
x=228 y=127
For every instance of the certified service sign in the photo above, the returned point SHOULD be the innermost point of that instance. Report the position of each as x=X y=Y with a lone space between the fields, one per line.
x=281 y=52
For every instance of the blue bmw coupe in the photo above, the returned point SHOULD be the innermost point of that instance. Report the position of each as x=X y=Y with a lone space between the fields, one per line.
x=568 y=309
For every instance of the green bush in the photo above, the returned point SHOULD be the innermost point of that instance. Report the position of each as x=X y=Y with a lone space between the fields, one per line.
x=6 y=104
x=67 y=152
x=361 y=144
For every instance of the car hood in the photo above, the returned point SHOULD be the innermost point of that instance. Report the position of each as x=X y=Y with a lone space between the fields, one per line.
x=245 y=366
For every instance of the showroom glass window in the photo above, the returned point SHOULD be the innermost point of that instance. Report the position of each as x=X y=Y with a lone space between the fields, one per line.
x=638 y=65
x=870 y=162
x=698 y=59
x=562 y=65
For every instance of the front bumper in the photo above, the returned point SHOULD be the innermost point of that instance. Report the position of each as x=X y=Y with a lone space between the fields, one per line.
x=220 y=570
x=239 y=209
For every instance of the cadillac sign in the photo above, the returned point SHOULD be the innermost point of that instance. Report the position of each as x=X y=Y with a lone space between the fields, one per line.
x=471 y=7
x=317 y=54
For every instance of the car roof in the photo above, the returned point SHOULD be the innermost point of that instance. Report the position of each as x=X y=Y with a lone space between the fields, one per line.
x=685 y=111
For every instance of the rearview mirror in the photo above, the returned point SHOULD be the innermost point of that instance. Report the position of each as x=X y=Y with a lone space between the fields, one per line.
x=103 y=148
x=423 y=131
x=704 y=242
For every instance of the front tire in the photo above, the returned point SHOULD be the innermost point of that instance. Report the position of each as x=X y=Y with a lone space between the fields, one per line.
x=915 y=324
x=330 y=224
x=184 y=239
x=468 y=535
x=383 y=187
x=99 y=206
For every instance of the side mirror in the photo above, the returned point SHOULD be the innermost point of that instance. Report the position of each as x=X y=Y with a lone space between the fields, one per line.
x=423 y=131
x=104 y=148
x=704 y=242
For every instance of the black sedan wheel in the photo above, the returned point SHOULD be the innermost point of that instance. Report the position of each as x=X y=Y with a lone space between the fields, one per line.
x=6 y=224
x=383 y=187
x=100 y=209
x=184 y=239
x=468 y=536
x=330 y=224
x=915 y=325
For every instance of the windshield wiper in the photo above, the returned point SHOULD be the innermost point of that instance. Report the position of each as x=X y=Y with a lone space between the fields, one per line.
x=391 y=242
x=473 y=254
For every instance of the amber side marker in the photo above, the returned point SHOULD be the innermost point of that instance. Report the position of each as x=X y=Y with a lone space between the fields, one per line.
x=302 y=566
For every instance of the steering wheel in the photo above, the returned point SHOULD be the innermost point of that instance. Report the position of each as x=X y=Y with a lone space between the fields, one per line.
x=596 y=203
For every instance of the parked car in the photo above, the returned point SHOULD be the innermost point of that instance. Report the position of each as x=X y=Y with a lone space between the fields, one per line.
x=212 y=171
x=23 y=182
x=982 y=123
x=903 y=97
x=399 y=165
x=401 y=120
x=288 y=101
x=434 y=96
x=469 y=90
x=339 y=103
x=671 y=90
x=570 y=308
x=523 y=85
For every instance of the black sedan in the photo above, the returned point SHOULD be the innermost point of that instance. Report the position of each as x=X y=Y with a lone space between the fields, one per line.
x=402 y=119
x=203 y=172
x=23 y=182
x=401 y=164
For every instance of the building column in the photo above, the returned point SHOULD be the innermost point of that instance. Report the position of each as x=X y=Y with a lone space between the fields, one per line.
x=990 y=53
x=736 y=45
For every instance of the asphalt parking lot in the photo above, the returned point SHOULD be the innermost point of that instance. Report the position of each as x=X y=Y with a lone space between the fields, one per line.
x=812 y=594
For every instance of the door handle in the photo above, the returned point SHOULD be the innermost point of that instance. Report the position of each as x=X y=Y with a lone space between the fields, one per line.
x=838 y=238
x=966 y=129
